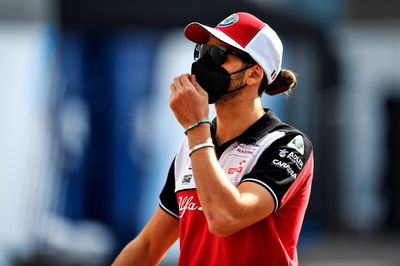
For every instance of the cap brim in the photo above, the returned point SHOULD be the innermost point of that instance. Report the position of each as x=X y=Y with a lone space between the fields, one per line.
x=199 y=33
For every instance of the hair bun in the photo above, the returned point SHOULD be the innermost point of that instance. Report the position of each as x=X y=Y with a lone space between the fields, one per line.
x=285 y=81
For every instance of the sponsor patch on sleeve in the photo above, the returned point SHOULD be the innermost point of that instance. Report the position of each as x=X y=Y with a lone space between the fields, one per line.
x=297 y=143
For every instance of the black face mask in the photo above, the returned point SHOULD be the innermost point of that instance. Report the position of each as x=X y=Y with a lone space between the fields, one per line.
x=213 y=78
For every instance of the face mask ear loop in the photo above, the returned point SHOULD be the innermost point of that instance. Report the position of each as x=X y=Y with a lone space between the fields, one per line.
x=244 y=85
x=241 y=87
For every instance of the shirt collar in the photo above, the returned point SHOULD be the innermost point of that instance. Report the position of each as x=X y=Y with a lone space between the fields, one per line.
x=256 y=131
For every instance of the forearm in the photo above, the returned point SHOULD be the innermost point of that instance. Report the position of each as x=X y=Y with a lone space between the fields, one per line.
x=219 y=199
x=137 y=252
x=152 y=243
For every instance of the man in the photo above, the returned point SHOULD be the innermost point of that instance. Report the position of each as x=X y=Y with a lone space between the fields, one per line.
x=237 y=190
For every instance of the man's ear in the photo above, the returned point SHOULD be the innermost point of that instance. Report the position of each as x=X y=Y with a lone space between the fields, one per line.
x=255 y=76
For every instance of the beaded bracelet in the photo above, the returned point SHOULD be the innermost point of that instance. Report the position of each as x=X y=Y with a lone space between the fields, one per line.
x=200 y=146
x=196 y=124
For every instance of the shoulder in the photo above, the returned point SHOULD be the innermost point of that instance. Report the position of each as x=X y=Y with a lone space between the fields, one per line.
x=297 y=139
x=294 y=137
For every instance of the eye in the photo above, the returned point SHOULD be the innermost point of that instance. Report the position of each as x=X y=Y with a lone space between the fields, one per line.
x=218 y=54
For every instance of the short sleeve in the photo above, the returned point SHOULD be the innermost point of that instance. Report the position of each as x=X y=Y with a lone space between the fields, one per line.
x=280 y=165
x=168 y=197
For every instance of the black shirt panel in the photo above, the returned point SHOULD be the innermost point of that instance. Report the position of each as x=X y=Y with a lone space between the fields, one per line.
x=168 y=197
x=280 y=164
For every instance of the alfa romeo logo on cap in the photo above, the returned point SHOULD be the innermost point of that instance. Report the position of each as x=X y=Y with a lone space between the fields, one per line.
x=232 y=19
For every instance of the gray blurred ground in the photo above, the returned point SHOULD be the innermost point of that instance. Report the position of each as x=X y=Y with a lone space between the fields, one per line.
x=372 y=250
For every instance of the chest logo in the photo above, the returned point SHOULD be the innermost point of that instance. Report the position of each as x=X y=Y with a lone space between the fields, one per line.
x=244 y=151
x=186 y=179
x=186 y=203
x=238 y=169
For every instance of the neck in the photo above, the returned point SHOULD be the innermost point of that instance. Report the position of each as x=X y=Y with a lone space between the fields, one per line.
x=234 y=118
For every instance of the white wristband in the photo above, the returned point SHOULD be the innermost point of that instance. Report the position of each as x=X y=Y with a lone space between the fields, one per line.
x=200 y=146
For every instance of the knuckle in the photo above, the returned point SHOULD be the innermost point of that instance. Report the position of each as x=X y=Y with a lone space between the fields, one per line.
x=190 y=91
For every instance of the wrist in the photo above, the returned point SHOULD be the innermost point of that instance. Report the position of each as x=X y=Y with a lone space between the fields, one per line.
x=199 y=134
x=196 y=124
x=201 y=146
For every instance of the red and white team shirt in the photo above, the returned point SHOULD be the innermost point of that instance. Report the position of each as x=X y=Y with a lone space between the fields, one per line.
x=270 y=153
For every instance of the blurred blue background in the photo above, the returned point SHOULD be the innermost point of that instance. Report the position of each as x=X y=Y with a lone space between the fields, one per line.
x=87 y=136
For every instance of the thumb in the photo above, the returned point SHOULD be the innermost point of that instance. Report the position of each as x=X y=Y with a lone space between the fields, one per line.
x=197 y=85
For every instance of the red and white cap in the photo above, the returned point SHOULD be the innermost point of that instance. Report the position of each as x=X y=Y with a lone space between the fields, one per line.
x=247 y=33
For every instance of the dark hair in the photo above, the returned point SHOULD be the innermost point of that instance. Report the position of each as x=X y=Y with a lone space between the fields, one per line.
x=284 y=82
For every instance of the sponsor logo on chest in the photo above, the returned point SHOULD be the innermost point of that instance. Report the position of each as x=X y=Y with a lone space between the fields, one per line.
x=238 y=169
x=187 y=177
x=244 y=151
x=186 y=203
x=247 y=149
x=237 y=161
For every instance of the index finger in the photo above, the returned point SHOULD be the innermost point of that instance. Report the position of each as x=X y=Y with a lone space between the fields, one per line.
x=196 y=85
x=186 y=82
